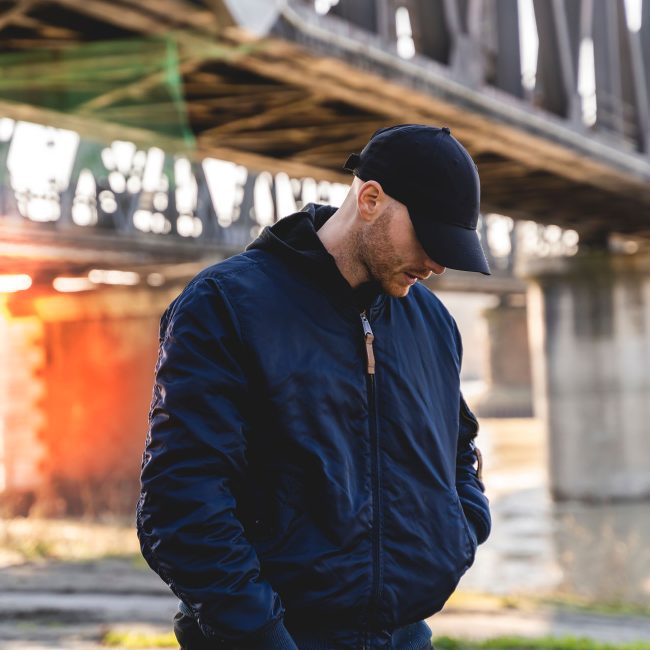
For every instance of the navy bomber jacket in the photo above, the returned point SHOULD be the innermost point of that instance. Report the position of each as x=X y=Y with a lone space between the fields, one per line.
x=284 y=487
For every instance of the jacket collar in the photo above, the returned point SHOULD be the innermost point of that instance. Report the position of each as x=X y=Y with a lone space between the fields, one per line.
x=295 y=241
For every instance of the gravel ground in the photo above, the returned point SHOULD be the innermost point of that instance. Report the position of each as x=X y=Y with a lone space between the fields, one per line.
x=70 y=606
x=537 y=548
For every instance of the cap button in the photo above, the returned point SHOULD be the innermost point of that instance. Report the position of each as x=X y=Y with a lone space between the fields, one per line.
x=446 y=130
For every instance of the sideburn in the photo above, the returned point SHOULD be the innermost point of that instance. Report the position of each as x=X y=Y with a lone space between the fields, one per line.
x=376 y=251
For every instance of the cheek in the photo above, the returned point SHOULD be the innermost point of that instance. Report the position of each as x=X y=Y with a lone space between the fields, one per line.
x=403 y=248
x=402 y=257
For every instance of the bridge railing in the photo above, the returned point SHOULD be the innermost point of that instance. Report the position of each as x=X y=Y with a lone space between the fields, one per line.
x=586 y=61
x=120 y=194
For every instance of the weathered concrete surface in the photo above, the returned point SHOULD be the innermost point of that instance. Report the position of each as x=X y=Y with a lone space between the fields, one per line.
x=70 y=606
x=585 y=552
x=509 y=391
x=589 y=320
x=484 y=624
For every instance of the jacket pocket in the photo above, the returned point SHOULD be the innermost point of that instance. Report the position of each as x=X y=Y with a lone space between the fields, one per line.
x=470 y=537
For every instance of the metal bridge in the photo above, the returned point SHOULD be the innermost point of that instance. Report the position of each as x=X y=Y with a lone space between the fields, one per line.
x=294 y=86
x=185 y=125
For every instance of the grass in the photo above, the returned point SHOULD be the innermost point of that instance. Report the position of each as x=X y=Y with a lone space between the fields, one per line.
x=34 y=549
x=138 y=640
x=610 y=608
x=30 y=539
x=135 y=560
x=540 y=643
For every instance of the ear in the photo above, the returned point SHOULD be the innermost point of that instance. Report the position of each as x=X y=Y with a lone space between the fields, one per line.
x=370 y=200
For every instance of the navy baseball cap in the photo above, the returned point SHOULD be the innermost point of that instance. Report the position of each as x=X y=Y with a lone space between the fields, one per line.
x=431 y=173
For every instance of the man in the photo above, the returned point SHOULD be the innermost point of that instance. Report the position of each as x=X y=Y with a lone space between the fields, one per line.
x=309 y=476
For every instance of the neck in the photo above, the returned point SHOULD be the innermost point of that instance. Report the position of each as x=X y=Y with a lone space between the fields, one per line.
x=338 y=235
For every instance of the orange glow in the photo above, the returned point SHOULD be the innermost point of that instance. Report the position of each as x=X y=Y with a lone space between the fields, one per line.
x=13 y=283
x=21 y=393
x=74 y=397
x=98 y=379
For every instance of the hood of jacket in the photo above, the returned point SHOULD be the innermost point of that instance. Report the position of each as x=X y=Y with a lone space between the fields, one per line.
x=295 y=240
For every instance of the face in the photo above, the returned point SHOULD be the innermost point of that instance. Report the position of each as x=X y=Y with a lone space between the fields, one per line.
x=391 y=253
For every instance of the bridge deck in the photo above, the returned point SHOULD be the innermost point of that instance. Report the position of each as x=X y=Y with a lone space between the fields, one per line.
x=309 y=92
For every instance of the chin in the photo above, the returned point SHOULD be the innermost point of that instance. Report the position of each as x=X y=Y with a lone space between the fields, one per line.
x=396 y=290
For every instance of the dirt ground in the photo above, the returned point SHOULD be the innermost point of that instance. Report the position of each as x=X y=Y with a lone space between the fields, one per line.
x=64 y=604
x=70 y=604
x=65 y=584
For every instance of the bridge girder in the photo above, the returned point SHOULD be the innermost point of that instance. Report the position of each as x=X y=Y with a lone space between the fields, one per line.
x=303 y=95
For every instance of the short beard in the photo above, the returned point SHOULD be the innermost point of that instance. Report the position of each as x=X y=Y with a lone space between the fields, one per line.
x=376 y=253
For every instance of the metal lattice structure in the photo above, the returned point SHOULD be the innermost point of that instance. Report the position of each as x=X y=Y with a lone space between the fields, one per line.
x=293 y=86
x=482 y=44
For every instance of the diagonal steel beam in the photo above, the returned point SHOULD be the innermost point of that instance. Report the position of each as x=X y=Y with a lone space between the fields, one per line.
x=633 y=82
x=556 y=86
x=430 y=33
x=607 y=60
x=362 y=13
x=508 y=56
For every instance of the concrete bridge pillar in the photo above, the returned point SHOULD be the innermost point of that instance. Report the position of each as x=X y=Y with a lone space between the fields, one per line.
x=589 y=327
x=22 y=388
x=75 y=387
x=508 y=371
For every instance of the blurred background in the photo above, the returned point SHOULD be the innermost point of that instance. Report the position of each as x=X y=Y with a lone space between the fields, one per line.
x=142 y=141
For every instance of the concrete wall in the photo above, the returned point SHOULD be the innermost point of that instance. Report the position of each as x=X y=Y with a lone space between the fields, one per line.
x=508 y=371
x=590 y=338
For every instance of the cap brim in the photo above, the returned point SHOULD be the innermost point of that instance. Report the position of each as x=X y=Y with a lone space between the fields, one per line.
x=451 y=246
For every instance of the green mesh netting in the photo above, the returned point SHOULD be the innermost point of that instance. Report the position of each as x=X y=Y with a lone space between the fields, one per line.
x=135 y=83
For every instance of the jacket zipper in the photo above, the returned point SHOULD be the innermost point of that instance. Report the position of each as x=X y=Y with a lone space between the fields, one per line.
x=370 y=337
x=375 y=469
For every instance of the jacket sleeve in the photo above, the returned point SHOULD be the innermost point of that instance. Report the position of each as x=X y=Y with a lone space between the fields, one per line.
x=195 y=453
x=469 y=484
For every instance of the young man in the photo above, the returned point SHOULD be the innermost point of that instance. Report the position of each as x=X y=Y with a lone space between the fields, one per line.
x=309 y=479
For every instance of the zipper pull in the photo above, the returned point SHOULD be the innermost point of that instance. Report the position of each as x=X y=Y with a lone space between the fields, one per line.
x=370 y=337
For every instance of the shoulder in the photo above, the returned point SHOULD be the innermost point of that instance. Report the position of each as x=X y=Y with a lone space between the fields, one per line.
x=205 y=297
x=218 y=278
x=216 y=290
x=242 y=263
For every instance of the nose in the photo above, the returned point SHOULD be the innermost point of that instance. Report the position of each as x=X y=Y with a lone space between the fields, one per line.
x=436 y=268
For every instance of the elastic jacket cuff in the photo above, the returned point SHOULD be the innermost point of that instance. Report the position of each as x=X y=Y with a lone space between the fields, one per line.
x=277 y=637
